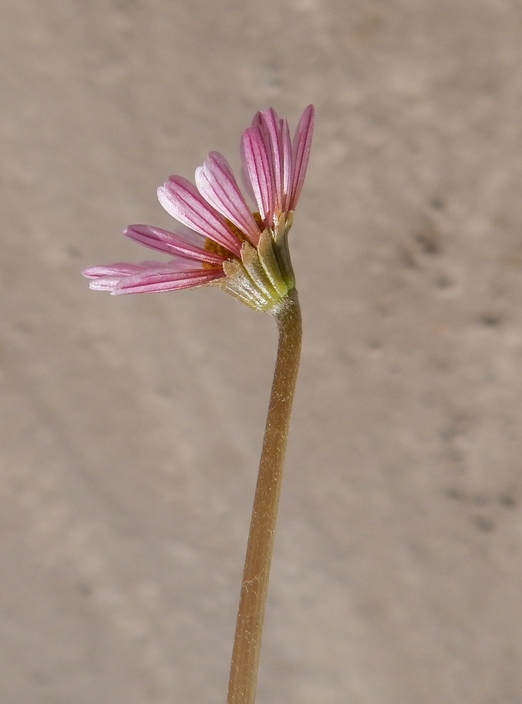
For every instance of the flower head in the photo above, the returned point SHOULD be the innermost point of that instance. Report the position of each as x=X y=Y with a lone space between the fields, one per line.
x=221 y=240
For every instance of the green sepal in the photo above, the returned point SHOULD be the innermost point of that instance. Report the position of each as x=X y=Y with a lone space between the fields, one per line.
x=270 y=264
x=263 y=277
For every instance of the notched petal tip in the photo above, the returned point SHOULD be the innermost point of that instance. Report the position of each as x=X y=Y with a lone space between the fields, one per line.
x=104 y=284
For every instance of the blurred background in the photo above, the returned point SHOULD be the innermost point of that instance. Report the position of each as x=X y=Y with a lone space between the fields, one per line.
x=131 y=427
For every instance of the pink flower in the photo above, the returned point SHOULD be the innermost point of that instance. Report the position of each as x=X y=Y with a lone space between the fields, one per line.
x=220 y=239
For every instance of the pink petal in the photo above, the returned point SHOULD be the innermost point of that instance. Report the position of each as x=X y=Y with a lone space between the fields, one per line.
x=182 y=200
x=152 y=281
x=301 y=153
x=286 y=149
x=257 y=165
x=268 y=124
x=170 y=243
x=216 y=183
x=108 y=276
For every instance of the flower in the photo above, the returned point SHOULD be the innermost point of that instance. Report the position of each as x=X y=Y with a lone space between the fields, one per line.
x=221 y=240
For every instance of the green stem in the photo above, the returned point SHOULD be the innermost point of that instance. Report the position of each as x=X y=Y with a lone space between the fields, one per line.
x=254 y=588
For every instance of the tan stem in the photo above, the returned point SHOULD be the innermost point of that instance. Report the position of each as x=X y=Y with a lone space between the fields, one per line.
x=254 y=588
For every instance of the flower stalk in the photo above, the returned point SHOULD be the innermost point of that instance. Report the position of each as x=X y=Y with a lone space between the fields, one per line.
x=254 y=587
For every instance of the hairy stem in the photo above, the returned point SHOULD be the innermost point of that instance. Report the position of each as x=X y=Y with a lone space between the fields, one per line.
x=254 y=588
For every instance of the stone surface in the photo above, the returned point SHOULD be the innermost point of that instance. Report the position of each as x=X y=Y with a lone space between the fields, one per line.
x=131 y=427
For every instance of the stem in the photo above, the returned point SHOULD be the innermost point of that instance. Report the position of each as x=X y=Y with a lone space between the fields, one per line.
x=254 y=588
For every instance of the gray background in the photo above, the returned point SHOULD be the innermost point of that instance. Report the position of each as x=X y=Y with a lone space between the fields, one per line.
x=131 y=427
